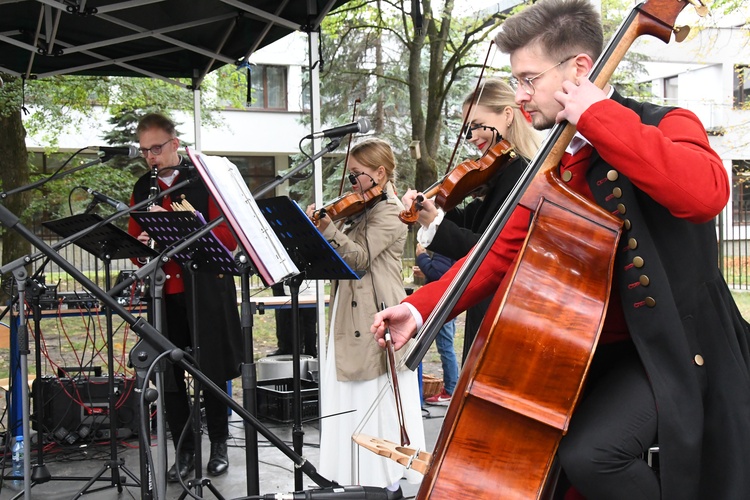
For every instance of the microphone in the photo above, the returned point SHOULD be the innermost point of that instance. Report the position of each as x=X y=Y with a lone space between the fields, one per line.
x=362 y=126
x=129 y=151
x=118 y=205
x=333 y=493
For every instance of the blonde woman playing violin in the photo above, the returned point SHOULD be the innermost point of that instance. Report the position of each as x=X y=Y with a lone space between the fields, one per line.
x=372 y=243
x=494 y=116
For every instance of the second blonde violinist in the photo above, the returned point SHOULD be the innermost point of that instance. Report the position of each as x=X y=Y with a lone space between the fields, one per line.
x=494 y=116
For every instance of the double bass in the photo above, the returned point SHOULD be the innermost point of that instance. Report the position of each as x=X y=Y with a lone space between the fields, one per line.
x=526 y=369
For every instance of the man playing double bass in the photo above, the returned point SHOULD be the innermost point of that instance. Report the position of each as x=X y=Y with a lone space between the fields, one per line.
x=672 y=363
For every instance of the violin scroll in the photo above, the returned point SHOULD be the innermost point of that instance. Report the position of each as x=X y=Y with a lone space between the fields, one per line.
x=410 y=215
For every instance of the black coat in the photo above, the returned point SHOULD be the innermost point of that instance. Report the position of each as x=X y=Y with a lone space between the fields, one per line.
x=461 y=229
x=689 y=334
x=219 y=333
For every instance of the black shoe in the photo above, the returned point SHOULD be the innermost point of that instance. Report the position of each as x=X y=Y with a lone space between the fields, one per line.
x=218 y=462
x=278 y=352
x=185 y=463
x=394 y=495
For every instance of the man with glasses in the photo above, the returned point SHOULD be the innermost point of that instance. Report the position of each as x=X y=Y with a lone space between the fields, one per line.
x=218 y=329
x=672 y=363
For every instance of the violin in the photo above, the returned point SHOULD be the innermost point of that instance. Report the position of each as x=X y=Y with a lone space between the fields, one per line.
x=349 y=205
x=464 y=179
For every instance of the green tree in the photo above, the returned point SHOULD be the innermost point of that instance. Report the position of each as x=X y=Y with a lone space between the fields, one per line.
x=45 y=107
x=14 y=168
x=412 y=81
x=407 y=69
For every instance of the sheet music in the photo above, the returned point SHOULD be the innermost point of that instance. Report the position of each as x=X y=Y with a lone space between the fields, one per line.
x=170 y=229
x=225 y=183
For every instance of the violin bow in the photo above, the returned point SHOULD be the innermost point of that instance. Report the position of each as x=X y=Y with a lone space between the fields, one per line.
x=348 y=148
x=391 y=354
x=474 y=99
x=408 y=216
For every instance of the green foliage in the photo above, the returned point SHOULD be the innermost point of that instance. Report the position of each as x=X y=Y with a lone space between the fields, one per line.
x=59 y=102
x=727 y=6
x=231 y=86
x=65 y=196
x=54 y=104
x=367 y=49
x=625 y=77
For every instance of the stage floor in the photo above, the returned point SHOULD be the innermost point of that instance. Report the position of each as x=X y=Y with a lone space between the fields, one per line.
x=276 y=470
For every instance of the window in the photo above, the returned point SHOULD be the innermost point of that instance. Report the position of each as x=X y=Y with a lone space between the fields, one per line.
x=256 y=170
x=306 y=98
x=741 y=192
x=670 y=91
x=269 y=87
x=742 y=86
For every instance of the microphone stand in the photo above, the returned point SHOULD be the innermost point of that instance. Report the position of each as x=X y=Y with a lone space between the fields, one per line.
x=155 y=342
x=153 y=338
x=248 y=371
x=294 y=283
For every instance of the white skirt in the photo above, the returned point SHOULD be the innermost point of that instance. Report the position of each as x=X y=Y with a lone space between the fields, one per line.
x=344 y=461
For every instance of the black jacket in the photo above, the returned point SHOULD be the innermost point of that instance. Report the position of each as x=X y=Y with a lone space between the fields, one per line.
x=462 y=227
x=219 y=333
x=690 y=336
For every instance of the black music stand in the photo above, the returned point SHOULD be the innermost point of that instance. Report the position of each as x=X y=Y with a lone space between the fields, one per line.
x=317 y=260
x=204 y=254
x=151 y=339
x=107 y=242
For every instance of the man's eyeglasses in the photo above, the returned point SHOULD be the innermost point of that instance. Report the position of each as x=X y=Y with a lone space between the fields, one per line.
x=154 y=150
x=527 y=83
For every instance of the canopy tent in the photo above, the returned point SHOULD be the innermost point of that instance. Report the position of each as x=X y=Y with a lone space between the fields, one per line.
x=155 y=38
x=165 y=39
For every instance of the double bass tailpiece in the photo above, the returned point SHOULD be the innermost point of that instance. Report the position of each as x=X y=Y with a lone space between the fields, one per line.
x=411 y=458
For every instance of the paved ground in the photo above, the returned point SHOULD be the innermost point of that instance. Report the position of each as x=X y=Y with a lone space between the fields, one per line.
x=276 y=470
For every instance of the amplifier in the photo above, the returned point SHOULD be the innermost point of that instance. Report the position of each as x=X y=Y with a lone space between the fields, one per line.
x=78 y=408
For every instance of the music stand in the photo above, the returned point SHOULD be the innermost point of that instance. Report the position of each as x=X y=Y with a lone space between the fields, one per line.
x=262 y=249
x=171 y=228
x=205 y=254
x=151 y=338
x=229 y=189
x=310 y=252
x=107 y=242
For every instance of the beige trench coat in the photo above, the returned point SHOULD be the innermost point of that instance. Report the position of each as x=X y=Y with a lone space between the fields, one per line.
x=373 y=244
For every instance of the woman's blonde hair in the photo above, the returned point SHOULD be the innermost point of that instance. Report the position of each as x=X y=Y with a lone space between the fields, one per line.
x=496 y=95
x=374 y=153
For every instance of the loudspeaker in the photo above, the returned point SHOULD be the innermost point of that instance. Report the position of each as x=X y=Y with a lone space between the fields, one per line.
x=78 y=409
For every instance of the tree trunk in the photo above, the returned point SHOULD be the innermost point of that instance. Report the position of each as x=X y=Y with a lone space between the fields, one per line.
x=425 y=169
x=380 y=102
x=14 y=172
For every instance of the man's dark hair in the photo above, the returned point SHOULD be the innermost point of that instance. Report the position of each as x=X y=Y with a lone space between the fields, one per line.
x=156 y=120
x=562 y=28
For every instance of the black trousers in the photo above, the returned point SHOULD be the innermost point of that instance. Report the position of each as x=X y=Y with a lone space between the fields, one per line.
x=612 y=428
x=176 y=400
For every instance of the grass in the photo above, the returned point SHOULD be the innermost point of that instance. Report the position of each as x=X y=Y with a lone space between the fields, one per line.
x=743 y=303
x=81 y=340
